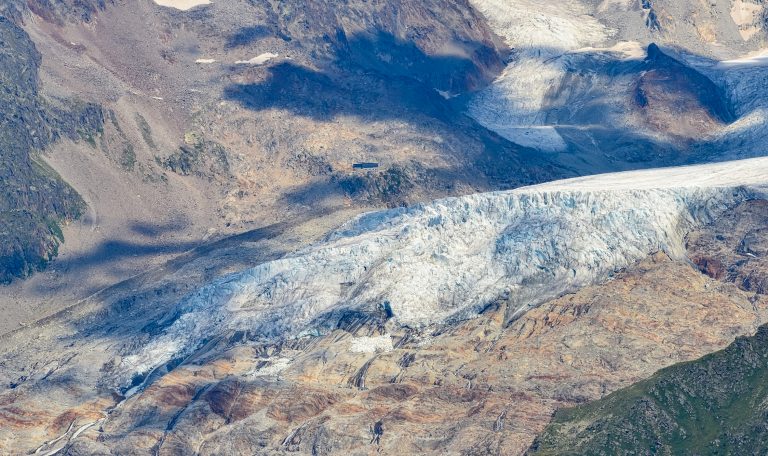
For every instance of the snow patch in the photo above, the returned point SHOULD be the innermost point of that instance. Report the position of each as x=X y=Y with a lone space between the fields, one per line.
x=445 y=94
x=183 y=5
x=273 y=368
x=258 y=60
x=755 y=59
x=626 y=50
x=374 y=344
x=205 y=61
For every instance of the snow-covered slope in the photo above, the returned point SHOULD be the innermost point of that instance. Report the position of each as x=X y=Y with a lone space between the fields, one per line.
x=450 y=258
x=183 y=5
x=554 y=45
x=539 y=32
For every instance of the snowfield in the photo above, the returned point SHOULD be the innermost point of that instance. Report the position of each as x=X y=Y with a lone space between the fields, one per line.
x=755 y=59
x=183 y=5
x=448 y=259
x=372 y=344
x=546 y=38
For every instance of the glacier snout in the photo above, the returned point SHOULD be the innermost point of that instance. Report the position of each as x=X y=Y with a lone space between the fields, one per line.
x=445 y=260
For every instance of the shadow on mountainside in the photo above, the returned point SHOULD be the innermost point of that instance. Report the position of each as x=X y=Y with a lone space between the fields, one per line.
x=373 y=76
x=379 y=78
x=112 y=259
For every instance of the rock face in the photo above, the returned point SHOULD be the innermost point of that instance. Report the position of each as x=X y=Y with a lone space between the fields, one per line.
x=34 y=201
x=677 y=99
x=57 y=11
x=735 y=252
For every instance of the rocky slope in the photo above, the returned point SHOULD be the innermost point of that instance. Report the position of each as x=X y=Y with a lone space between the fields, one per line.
x=215 y=93
x=226 y=291
x=34 y=201
x=478 y=387
x=218 y=142
x=713 y=405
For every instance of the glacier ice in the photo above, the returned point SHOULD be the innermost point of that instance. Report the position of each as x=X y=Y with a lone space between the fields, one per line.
x=540 y=32
x=549 y=39
x=448 y=259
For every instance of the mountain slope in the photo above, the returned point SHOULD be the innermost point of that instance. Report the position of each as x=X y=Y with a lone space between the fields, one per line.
x=258 y=269
x=714 y=405
x=34 y=201
x=223 y=143
x=232 y=84
x=448 y=260
x=578 y=81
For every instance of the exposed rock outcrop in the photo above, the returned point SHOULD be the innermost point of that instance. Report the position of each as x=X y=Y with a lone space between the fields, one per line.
x=34 y=201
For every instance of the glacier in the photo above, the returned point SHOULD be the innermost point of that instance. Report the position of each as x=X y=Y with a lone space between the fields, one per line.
x=448 y=259
x=549 y=40
x=540 y=34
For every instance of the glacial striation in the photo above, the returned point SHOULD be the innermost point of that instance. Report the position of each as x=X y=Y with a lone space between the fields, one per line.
x=447 y=260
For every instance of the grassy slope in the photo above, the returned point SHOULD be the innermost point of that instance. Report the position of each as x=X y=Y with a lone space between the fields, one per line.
x=717 y=404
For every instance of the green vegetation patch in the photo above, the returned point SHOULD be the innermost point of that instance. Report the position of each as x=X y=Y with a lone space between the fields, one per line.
x=716 y=405
x=128 y=157
x=146 y=131
x=34 y=200
x=199 y=157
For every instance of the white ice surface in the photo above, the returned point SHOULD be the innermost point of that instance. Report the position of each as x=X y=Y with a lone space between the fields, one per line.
x=448 y=259
x=371 y=344
x=542 y=24
x=756 y=59
x=274 y=367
